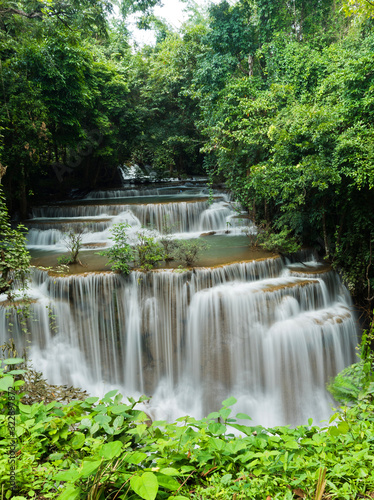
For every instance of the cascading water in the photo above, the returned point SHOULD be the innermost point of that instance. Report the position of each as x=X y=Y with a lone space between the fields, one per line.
x=268 y=333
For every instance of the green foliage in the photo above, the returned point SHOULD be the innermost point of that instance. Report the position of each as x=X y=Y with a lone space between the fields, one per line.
x=356 y=382
x=121 y=253
x=280 y=242
x=73 y=242
x=102 y=448
x=14 y=257
x=147 y=252
x=189 y=251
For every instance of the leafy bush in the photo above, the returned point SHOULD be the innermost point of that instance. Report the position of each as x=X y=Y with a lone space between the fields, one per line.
x=121 y=253
x=356 y=381
x=189 y=251
x=107 y=448
x=73 y=242
x=281 y=242
x=14 y=256
x=147 y=252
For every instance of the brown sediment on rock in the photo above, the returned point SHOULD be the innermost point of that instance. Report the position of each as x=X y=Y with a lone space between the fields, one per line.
x=241 y=261
x=93 y=245
x=17 y=303
x=325 y=268
x=243 y=216
x=217 y=266
x=284 y=286
x=74 y=275
x=329 y=317
x=75 y=220
x=119 y=204
x=208 y=234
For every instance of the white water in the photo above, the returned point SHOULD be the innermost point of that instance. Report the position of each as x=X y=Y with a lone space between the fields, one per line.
x=192 y=339
x=269 y=334
x=184 y=219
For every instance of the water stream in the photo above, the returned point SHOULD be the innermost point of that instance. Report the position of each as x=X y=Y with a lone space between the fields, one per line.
x=269 y=333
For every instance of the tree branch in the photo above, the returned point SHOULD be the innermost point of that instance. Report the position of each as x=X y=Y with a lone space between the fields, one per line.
x=19 y=12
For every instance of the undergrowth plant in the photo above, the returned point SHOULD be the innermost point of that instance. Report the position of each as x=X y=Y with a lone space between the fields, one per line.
x=107 y=448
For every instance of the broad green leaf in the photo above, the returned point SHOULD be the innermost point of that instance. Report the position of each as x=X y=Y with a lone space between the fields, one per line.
x=86 y=422
x=291 y=445
x=225 y=412
x=214 y=414
x=119 y=409
x=334 y=431
x=118 y=422
x=243 y=416
x=229 y=402
x=136 y=457
x=110 y=394
x=13 y=361
x=91 y=400
x=16 y=372
x=169 y=471
x=70 y=493
x=343 y=427
x=111 y=450
x=77 y=440
x=102 y=419
x=6 y=382
x=217 y=428
x=67 y=475
x=146 y=485
x=89 y=467
x=167 y=482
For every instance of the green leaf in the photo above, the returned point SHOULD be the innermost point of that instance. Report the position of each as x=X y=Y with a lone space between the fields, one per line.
x=146 y=485
x=135 y=458
x=13 y=361
x=102 y=419
x=89 y=467
x=229 y=402
x=91 y=400
x=110 y=394
x=119 y=409
x=111 y=450
x=169 y=471
x=77 y=440
x=168 y=482
x=217 y=428
x=70 y=475
x=70 y=493
x=343 y=428
x=243 y=416
x=334 y=431
x=6 y=382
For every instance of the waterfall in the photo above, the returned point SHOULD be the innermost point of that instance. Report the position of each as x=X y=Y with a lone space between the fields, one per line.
x=261 y=331
x=268 y=332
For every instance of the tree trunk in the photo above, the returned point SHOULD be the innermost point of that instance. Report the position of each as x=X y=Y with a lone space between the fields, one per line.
x=325 y=235
x=23 y=197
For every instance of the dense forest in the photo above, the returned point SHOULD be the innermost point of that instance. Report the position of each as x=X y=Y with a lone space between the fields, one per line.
x=273 y=98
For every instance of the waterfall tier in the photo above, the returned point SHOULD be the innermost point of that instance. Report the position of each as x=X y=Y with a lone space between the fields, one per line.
x=252 y=330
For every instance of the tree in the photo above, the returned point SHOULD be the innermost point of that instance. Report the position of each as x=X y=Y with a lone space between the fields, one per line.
x=189 y=251
x=14 y=257
x=121 y=253
x=73 y=242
